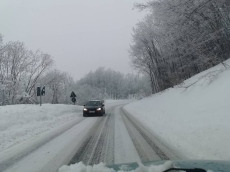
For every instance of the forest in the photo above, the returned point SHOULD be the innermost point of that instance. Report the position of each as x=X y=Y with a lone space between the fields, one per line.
x=175 y=40
x=23 y=70
x=180 y=38
x=109 y=84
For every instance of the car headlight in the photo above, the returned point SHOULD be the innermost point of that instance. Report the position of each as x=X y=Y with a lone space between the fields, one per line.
x=85 y=109
x=98 y=109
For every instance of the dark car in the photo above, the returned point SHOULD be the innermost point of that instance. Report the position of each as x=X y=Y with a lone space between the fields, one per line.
x=94 y=108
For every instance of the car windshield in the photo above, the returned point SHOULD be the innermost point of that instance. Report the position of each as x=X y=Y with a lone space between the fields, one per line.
x=93 y=103
x=98 y=83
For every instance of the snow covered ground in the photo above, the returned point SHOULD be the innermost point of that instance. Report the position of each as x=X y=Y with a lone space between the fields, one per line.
x=22 y=122
x=192 y=118
x=56 y=133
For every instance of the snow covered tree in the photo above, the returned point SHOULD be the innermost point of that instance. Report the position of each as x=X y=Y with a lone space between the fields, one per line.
x=103 y=84
x=40 y=63
x=20 y=70
x=58 y=85
x=179 y=38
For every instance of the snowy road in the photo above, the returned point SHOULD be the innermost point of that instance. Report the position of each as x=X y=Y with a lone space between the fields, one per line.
x=115 y=138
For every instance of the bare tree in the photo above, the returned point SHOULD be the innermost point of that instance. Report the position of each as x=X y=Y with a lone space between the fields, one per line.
x=20 y=70
x=40 y=63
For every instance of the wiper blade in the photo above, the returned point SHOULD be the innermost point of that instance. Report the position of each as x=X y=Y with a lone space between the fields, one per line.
x=186 y=170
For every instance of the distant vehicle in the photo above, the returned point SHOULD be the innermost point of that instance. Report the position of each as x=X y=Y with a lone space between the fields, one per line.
x=94 y=108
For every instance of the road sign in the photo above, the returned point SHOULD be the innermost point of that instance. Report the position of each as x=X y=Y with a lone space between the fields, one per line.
x=73 y=94
x=38 y=91
x=43 y=91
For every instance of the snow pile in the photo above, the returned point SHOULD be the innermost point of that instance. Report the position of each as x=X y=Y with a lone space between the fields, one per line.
x=117 y=102
x=192 y=118
x=80 y=167
x=21 y=122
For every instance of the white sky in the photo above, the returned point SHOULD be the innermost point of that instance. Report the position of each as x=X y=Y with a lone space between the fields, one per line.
x=81 y=35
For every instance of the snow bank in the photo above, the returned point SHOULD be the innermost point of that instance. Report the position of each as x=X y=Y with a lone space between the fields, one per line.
x=80 y=167
x=117 y=102
x=21 y=122
x=192 y=118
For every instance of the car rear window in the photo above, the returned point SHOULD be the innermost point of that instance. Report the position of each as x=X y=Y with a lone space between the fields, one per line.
x=93 y=103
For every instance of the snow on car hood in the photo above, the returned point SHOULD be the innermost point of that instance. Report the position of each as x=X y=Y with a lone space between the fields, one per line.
x=80 y=167
x=154 y=166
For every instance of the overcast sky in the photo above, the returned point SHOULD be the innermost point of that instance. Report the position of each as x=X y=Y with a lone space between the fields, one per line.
x=81 y=35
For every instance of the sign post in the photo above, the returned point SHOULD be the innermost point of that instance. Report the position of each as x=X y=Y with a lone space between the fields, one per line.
x=73 y=97
x=40 y=92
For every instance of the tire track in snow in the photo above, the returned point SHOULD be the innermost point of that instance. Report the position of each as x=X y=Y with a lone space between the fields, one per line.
x=104 y=147
x=98 y=147
x=101 y=145
x=147 y=145
x=10 y=156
